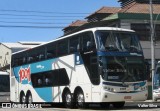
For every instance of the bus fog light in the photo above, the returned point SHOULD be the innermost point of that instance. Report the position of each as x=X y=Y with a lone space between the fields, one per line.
x=105 y=96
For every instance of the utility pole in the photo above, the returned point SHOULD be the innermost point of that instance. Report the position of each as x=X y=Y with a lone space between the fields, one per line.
x=152 y=45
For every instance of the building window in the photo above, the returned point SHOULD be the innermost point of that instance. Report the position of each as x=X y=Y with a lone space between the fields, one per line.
x=143 y=30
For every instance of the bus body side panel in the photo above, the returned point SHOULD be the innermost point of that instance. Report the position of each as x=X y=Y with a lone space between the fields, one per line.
x=76 y=73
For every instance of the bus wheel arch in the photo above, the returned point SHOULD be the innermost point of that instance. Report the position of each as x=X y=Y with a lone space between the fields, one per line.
x=67 y=98
x=29 y=99
x=22 y=97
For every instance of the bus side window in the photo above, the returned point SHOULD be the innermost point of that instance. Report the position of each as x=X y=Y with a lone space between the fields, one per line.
x=41 y=57
x=88 y=42
x=36 y=55
x=74 y=44
x=39 y=81
x=30 y=59
x=62 y=48
x=15 y=62
x=20 y=61
x=51 y=51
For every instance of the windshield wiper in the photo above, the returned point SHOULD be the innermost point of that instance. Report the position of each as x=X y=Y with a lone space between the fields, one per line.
x=134 y=49
x=111 y=48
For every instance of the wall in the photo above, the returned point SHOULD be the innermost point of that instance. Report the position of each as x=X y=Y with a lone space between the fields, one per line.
x=5 y=55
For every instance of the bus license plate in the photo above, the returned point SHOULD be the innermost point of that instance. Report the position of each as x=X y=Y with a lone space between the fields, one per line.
x=127 y=97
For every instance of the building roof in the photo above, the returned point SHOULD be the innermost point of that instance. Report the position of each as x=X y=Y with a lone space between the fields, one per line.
x=127 y=2
x=136 y=10
x=30 y=42
x=21 y=44
x=131 y=16
x=73 y=26
x=140 y=8
x=76 y=23
x=105 y=10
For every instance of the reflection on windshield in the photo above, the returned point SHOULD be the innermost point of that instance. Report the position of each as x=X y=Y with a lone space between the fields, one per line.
x=118 y=41
x=123 y=69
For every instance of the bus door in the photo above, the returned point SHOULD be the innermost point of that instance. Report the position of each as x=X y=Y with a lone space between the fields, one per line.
x=89 y=56
x=95 y=78
x=91 y=65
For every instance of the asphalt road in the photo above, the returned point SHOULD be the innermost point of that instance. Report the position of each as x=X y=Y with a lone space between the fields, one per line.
x=134 y=106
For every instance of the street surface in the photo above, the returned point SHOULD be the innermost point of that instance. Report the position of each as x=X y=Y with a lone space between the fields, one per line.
x=133 y=106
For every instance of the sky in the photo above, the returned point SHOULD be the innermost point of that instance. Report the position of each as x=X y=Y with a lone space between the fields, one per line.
x=43 y=20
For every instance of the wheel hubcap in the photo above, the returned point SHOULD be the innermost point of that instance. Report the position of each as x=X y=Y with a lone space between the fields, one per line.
x=68 y=98
x=80 y=98
x=23 y=99
x=30 y=99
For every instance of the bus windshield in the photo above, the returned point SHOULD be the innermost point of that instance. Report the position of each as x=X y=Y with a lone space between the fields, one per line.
x=118 y=41
x=123 y=69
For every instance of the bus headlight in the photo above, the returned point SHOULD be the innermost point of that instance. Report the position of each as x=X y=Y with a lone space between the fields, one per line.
x=109 y=89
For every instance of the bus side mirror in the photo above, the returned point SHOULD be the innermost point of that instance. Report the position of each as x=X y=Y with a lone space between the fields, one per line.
x=100 y=67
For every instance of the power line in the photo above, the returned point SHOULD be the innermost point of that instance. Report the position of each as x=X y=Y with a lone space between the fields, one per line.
x=33 y=22
x=37 y=15
x=38 y=27
x=42 y=12
x=20 y=15
x=35 y=18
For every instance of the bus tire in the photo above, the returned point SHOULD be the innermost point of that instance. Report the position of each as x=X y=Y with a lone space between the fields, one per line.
x=68 y=99
x=29 y=98
x=80 y=99
x=118 y=104
x=22 y=98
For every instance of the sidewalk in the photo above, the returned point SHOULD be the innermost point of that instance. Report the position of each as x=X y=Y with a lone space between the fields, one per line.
x=149 y=101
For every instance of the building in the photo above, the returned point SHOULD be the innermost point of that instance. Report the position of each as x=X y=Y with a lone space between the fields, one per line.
x=6 y=50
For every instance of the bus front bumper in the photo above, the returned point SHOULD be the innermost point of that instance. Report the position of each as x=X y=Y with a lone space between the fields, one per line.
x=128 y=96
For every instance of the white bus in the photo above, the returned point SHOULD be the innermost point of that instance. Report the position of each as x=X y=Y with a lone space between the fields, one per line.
x=97 y=65
x=4 y=87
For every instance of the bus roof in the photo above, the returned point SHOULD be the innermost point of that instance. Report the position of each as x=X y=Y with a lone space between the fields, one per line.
x=89 y=29
x=4 y=73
